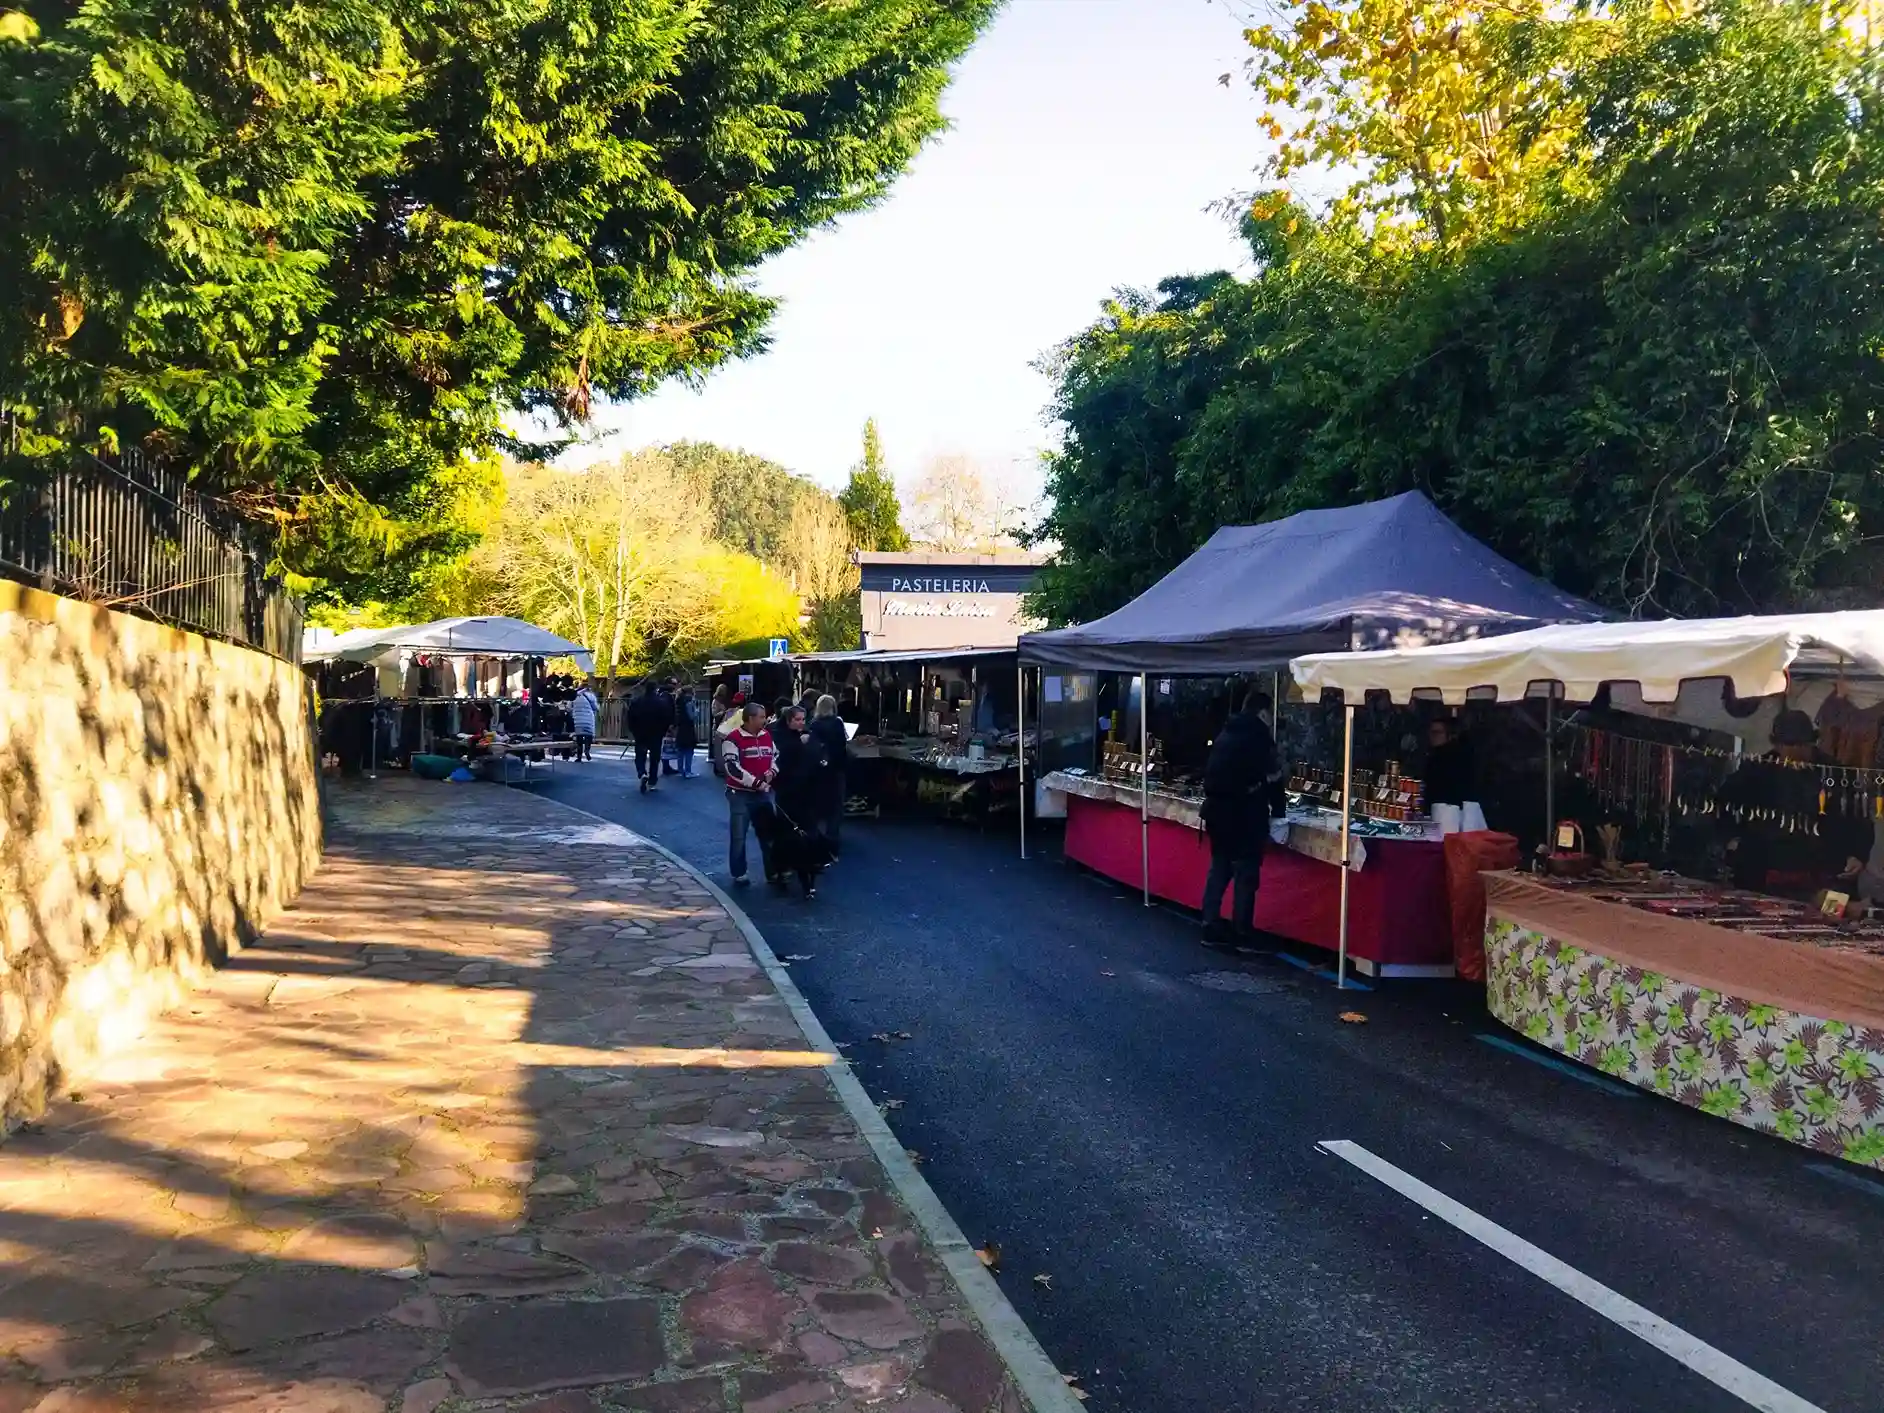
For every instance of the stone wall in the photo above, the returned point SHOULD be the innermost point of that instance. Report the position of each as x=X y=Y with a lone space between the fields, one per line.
x=159 y=800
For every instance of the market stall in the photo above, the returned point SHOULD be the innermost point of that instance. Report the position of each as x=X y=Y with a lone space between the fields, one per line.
x=1362 y=577
x=1760 y=1004
x=470 y=688
x=935 y=727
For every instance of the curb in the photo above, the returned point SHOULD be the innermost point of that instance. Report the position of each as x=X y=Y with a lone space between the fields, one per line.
x=1035 y=1375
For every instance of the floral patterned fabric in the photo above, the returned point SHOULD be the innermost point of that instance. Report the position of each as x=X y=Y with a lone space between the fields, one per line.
x=1810 y=1080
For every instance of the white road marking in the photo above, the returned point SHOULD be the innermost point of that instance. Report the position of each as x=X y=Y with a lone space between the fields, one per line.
x=1750 y=1387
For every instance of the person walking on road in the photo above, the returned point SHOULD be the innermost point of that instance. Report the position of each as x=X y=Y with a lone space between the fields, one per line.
x=748 y=760
x=649 y=716
x=828 y=753
x=1237 y=783
x=686 y=732
x=583 y=709
x=717 y=713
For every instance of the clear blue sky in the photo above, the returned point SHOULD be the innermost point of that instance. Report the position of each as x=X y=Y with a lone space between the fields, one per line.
x=1089 y=137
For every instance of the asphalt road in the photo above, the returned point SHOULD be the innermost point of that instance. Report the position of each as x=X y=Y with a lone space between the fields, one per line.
x=1137 y=1119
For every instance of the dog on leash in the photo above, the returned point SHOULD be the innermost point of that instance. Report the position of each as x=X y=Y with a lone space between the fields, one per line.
x=790 y=849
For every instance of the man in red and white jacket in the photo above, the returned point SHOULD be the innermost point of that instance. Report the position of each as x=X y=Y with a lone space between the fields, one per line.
x=748 y=759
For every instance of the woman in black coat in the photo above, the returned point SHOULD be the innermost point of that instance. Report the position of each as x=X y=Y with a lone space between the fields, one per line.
x=829 y=754
x=793 y=787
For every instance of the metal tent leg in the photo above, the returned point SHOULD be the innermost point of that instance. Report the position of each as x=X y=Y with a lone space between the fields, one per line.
x=1020 y=744
x=1347 y=816
x=1144 y=785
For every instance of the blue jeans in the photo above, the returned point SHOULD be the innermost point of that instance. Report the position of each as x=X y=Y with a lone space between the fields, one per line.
x=741 y=805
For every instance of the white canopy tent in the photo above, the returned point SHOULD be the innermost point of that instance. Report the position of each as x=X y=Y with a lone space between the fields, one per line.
x=1646 y=665
x=451 y=637
x=1760 y=656
x=389 y=650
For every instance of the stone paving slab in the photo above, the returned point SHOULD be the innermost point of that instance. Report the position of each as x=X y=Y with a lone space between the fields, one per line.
x=501 y=1115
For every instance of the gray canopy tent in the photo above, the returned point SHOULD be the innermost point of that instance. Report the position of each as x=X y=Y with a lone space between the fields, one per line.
x=1392 y=573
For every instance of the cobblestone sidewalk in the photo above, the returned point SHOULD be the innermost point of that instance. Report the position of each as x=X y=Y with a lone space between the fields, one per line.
x=502 y=1115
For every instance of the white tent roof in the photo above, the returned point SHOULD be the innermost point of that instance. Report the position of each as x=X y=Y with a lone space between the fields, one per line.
x=320 y=645
x=453 y=637
x=1758 y=655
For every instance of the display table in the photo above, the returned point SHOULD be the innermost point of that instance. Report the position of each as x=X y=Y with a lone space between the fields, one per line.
x=921 y=755
x=1661 y=984
x=916 y=771
x=1399 y=922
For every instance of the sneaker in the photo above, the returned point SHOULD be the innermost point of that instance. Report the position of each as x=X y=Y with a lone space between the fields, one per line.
x=742 y=882
x=1216 y=935
x=811 y=890
x=644 y=787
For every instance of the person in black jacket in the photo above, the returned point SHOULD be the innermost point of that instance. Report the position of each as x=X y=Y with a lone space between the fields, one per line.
x=686 y=732
x=649 y=716
x=828 y=750
x=794 y=774
x=1237 y=782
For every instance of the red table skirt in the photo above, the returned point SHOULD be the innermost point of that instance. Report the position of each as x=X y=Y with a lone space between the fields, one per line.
x=1398 y=915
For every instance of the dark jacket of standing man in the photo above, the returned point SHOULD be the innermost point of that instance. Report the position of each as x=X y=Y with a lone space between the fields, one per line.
x=1237 y=782
x=649 y=716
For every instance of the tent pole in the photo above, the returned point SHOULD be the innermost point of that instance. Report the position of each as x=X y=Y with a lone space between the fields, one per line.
x=1550 y=768
x=1144 y=785
x=1020 y=743
x=372 y=770
x=1347 y=815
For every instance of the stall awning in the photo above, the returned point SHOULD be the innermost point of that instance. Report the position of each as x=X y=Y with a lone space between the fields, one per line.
x=1391 y=573
x=1758 y=655
x=917 y=655
x=451 y=637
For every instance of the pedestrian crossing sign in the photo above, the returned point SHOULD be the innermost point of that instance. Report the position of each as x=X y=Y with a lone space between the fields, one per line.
x=779 y=647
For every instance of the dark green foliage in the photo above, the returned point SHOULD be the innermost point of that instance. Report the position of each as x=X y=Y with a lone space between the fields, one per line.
x=869 y=499
x=750 y=498
x=314 y=252
x=1659 y=390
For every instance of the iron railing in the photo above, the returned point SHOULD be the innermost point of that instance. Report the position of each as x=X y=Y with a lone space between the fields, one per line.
x=131 y=536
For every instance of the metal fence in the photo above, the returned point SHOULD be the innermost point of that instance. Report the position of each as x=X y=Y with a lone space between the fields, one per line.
x=132 y=537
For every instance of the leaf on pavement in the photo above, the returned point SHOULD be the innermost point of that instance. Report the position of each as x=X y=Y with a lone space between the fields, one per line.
x=1108 y=973
x=990 y=1255
x=889 y=1104
x=799 y=956
x=903 y=1035
x=1353 y=1018
x=1072 y=1387
x=1044 y=1281
x=914 y=1155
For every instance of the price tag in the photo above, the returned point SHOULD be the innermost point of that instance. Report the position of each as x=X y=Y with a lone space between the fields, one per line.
x=1566 y=836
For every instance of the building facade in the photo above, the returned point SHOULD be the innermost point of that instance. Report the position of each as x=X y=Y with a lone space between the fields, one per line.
x=933 y=599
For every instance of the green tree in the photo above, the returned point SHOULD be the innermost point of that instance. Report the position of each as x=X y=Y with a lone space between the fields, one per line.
x=314 y=253
x=751 y=500
x=869 y=499
x=1652 y=378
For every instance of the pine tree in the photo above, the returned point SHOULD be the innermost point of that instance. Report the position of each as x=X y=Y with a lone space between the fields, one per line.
x=869 y=499
x=322 y=256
